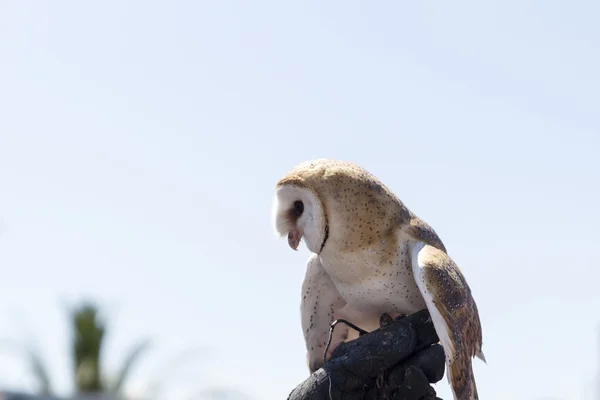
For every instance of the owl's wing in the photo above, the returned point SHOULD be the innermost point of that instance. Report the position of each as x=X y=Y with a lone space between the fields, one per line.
x=453 y=312
x=320 y=302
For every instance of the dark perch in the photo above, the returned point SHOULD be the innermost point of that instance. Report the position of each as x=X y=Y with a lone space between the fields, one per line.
x=397 y=361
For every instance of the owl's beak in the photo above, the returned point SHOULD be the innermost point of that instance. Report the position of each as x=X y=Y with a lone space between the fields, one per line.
x=294 y=237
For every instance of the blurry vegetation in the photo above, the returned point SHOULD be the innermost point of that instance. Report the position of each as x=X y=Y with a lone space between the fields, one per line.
x=88 y=339
x=89 y=333
x=87 y=343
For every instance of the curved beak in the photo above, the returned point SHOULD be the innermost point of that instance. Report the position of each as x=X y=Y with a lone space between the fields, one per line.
x=294 y=237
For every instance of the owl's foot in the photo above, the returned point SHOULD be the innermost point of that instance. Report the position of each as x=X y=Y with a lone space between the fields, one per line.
x=385 y=319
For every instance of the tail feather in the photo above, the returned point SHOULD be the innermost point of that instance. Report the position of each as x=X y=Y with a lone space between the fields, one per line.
x=462 y=379
x=481 y=356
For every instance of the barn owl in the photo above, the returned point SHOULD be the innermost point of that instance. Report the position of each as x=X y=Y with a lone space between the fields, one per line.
x=371 y=255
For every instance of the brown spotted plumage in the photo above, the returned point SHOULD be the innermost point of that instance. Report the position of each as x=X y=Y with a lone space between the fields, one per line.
x=372 y=255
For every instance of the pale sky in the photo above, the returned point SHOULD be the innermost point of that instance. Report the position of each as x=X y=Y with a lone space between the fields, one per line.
x=140 y=143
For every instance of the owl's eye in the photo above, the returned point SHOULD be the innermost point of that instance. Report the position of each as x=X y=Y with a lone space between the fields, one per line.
x=298 y=207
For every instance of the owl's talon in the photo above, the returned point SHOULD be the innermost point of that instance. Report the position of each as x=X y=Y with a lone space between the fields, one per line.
x=400 y=316
x=385 y=319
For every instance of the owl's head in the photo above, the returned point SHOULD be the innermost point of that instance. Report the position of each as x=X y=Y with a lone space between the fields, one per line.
x=298 y=213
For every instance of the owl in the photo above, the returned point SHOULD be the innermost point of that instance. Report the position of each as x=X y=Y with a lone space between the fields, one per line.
x=372 y=255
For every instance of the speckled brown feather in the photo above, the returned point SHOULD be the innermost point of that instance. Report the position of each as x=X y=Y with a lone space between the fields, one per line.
x=363 y=197
x=448 y=286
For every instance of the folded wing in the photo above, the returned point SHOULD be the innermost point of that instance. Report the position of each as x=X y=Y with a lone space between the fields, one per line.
x=454 y=314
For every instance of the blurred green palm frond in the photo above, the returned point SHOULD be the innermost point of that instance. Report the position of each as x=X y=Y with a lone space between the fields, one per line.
x=40 y=371
x=128 y=363
x=34 y=360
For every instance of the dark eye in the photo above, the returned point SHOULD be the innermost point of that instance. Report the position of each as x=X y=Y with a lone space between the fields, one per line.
x=298 y=207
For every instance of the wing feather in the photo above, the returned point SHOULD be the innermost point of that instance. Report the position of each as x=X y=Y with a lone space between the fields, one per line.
x=453 y=312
